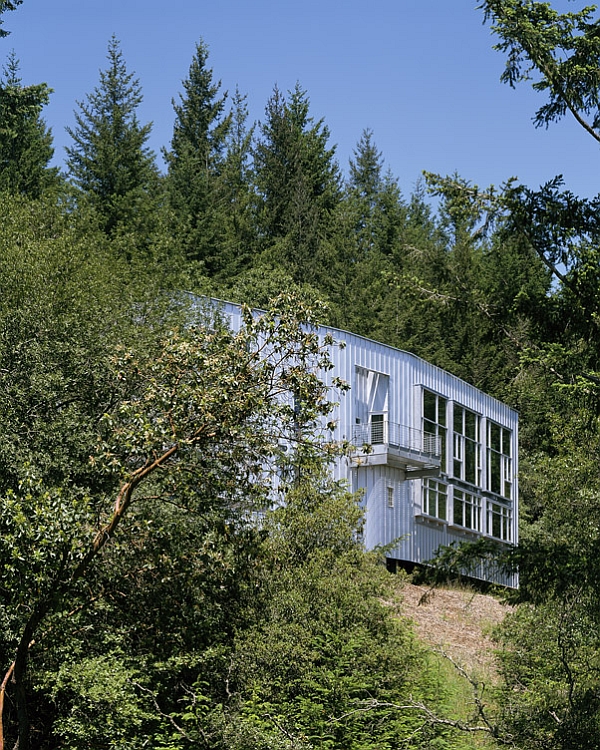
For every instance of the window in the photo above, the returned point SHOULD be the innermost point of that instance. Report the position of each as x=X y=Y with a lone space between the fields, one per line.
x=377 y=429
x=390 y=497
x=467 y=446
x=499 y=463
x=499 y=521
x=435 y=499
x=434 y=420
x=467 y=510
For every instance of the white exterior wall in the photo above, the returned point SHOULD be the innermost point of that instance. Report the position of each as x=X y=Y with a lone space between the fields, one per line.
x=414 y=535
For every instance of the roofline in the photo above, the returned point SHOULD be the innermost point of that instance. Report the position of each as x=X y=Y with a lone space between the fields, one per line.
x=372 y=341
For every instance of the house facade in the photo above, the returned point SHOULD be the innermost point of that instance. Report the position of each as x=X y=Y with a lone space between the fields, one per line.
x=434 y=458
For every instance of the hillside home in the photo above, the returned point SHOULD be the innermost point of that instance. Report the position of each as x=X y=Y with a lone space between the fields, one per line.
x=435 y=458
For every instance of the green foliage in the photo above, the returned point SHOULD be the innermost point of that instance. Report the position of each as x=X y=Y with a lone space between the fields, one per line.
x=4 y=6
x=236 y=197
x=321 y=657
x=61 y=292
x=196 y=160
x=298 y=185
x=25 y=142
x=193 y=417
x=104 y=705
x=109 y=161
x=562 y=49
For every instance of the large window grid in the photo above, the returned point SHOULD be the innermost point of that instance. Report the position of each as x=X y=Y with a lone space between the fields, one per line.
x=466 y=510
x=466 y=463
x=435 y=499
x=434 y=420
x=499 y=461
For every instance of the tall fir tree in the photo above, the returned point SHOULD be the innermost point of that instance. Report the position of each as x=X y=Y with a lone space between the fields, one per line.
x=298 y=187
x=235 y=193
x=195 y=161
x=25 y=141
x=110 y=162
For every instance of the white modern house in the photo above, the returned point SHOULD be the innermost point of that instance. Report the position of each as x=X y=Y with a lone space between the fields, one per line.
x=435 y=458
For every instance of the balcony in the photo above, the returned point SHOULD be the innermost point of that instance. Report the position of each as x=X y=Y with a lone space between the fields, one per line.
x=381 y=442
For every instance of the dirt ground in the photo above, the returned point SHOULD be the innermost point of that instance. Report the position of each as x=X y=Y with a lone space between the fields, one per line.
x=457 y=622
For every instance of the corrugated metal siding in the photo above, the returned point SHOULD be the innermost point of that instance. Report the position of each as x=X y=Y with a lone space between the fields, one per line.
x=414 y=537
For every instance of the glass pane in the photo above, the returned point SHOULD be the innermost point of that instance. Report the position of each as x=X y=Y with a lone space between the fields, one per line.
x=495 y=438
x=468 y=515
x=458 y=419
x=442 y=411
x=429 y=404
x=470 y=462
x=495 y=472
x=458 y=507
x=506 y=442
x=471 y=425
x=442 y=503
x=442 y=434
x=496 y=524
x=477 y=516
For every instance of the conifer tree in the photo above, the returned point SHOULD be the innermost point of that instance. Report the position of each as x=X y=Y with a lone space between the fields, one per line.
x=110 y=162
x=25 y=141
x=236 y=194
x=196 y=158
x=380 y=213
x=298 y=185
x=366 y=167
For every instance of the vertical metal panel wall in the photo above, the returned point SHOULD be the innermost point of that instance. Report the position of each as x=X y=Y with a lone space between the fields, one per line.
x=394 y=504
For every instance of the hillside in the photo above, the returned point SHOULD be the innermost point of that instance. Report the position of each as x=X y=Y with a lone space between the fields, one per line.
x=456 y=622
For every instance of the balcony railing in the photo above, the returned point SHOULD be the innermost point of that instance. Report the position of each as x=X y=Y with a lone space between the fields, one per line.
x=397 y=436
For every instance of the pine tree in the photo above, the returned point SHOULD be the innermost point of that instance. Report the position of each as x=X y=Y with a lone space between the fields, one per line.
x=366 y=167
x=298 y=185
x=375 y=200
x=110 y=162
x=25 y=141
x=195 y=161
x=235 y=193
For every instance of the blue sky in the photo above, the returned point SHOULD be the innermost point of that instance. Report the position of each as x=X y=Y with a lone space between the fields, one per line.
x=421 y=75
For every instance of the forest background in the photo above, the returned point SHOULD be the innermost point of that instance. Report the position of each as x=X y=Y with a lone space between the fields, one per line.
x=141 y=603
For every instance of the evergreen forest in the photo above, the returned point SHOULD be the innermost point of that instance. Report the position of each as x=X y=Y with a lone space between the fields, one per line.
x=152 y=595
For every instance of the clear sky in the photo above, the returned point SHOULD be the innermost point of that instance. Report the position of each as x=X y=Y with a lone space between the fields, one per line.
x=421 y=75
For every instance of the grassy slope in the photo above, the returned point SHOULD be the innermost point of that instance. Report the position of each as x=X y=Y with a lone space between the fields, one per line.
x=456 y=623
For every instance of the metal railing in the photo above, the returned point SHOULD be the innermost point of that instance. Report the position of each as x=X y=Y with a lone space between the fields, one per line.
x=397 y=436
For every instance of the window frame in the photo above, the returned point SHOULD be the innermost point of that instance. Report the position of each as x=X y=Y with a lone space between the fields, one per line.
x=465 y=447
x=438 y=426
x=468 y=501
x=502 y=514
x=502 y=458
x=433 y=494
x=390 y=499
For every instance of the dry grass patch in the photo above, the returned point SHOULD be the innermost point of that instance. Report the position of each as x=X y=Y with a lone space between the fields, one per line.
x=456 y=621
